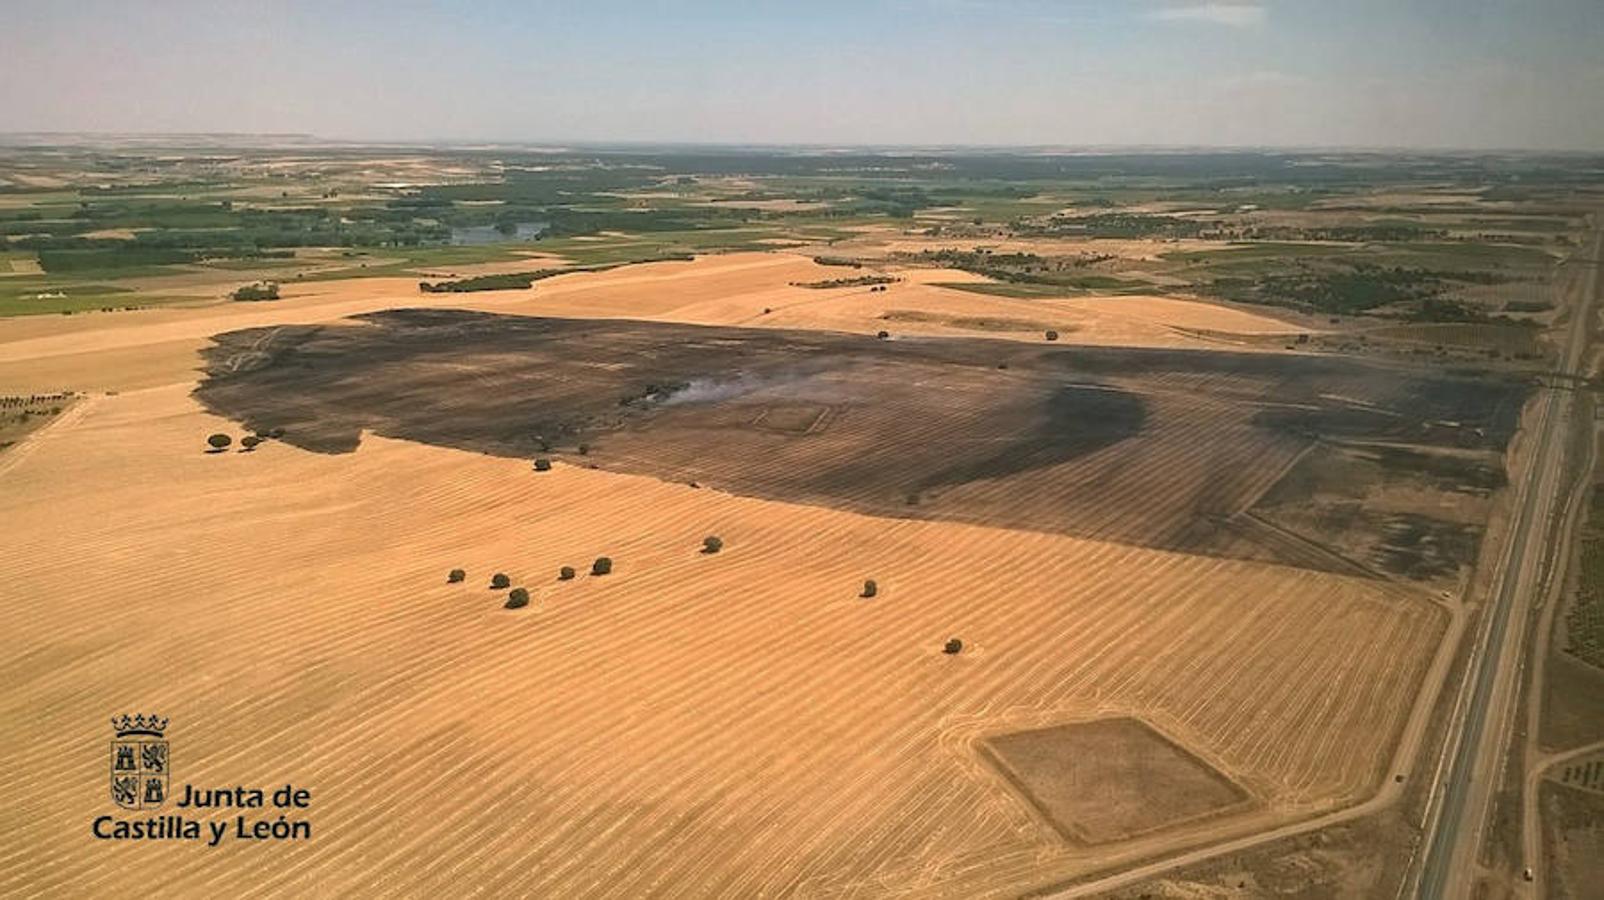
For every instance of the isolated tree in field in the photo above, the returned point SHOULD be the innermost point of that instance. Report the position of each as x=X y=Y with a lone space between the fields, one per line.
x=883 y=335
x=542 y=464
x=870 y=588
x=566 y=573
x=601 y=566
x=249 y=442
x=455 y=576
x=1052 y=335
x=518 y=599
x=500 y=581
x=953 y=647
x=219 y=442
x=711 y=544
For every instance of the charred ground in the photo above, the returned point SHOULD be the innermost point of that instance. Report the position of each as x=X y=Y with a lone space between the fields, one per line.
x=1151 y=447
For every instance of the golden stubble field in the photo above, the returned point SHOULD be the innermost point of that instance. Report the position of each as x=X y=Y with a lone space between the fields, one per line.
x=714 y=725
x=739 y=724
x=146 y=348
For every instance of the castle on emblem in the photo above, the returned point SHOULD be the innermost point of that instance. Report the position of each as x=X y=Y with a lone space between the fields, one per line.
x=139 y=761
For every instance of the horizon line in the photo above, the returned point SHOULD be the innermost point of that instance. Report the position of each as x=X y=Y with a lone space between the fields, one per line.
x=9 y=138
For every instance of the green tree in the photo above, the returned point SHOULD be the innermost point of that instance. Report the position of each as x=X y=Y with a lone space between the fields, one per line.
x=500 y=581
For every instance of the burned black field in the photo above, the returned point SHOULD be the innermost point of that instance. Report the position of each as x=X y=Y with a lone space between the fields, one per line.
x=1180 y=450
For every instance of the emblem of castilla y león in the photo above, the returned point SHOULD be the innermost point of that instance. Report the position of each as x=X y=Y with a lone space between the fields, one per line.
x=139 y=762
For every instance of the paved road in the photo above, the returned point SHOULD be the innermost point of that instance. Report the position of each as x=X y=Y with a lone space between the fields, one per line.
x=1462 y=798
x=1533 y=492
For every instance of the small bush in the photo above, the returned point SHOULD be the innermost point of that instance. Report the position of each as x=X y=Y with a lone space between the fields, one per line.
x=953 y=647
x=566 y=573
x=518 y=599
x=711 y=544
x=542 y=464
x=1052 y=335
x=455 y=576
x=602 y=566
x=883 y=335
x=249 y=442
x=261 y=290
x=219 y=441
x=500 y=581
x=870 y=588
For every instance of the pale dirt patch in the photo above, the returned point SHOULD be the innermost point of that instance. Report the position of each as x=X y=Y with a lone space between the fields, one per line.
x=114 y=234
x=20 y=265
x=42 y=182
x=288 y=611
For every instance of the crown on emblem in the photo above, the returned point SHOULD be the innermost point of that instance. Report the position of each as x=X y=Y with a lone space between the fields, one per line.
x=139 y=724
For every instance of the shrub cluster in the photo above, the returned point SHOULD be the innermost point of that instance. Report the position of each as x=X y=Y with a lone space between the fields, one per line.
x=261 y=290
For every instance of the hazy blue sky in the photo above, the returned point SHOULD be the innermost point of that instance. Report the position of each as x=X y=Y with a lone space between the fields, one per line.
x=1463 y=73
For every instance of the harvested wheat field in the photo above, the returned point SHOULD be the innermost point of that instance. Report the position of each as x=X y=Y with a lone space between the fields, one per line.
x=1154 y=652
x=735 y=724
x=159 y=346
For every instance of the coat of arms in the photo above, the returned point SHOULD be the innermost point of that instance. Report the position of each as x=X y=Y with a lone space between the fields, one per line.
x=139 y=762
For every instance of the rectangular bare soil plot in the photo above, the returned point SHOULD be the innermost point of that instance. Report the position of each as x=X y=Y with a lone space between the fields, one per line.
x=1110 y=779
